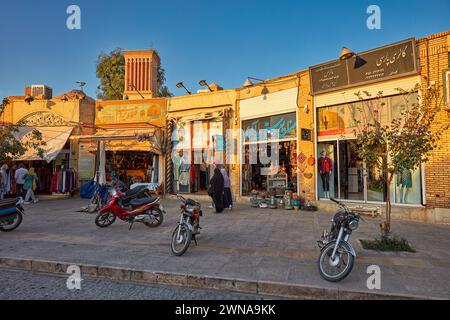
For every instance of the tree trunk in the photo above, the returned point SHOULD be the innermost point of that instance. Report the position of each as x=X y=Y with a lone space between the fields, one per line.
x=386 y=228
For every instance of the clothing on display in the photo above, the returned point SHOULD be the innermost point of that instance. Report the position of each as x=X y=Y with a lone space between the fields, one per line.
x=325 y=167
x=325 y=164
x=64 y=181
x=404 y=178
x=325 y=181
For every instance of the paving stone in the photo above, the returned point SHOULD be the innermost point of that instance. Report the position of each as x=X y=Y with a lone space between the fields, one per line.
x=248 y=243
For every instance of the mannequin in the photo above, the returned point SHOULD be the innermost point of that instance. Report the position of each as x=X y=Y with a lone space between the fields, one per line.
x=325 y=168
x=404 y=182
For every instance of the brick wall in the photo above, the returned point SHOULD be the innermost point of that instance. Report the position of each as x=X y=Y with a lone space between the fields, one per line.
x=434 y=59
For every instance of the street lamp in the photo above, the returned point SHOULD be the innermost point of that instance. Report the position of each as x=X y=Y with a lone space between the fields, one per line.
x=181 y=85
x=81 y=84
x=346 y=54
x=248 y=82
x=204 y=84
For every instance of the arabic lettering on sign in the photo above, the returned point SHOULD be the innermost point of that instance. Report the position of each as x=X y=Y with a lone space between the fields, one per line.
x=330 y=76
x=388 y=62
x=391 y=59
x=285 y=124
x=113 y=114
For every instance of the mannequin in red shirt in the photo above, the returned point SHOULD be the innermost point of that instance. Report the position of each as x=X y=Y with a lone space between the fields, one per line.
x=325 y=167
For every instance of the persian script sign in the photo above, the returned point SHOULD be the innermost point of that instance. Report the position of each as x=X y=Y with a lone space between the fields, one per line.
x=286 y=124
x=389 y=62
x=115 y=114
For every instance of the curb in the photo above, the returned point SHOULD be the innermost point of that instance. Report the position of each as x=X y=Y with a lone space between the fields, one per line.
x=276 y=289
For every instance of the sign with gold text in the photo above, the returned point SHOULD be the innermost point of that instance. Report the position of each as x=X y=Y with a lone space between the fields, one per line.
x=129 y=113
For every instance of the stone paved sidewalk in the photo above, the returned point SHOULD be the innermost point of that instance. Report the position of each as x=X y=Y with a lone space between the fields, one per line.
x=249 y=244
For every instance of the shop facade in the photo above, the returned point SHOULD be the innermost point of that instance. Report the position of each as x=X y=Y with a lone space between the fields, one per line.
x=57 y=119
x=347 y=92
x=197 y=127
x=271 y=112
x=282 y=104
x=128 y=142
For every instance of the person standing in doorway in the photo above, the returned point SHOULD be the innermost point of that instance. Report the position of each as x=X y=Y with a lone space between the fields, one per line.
x=19 y=176
x=216 y=190
x=30 y=185
x=227 y=198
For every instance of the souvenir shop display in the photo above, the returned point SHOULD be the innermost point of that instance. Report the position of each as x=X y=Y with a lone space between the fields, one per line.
x=131 y=166
x=280 y=179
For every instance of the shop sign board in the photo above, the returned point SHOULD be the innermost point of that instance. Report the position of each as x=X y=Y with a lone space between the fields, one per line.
x=133 y=113
x=385 y=63
x=286 y=124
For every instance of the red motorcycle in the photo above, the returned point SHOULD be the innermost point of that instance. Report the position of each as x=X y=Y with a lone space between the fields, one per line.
x=148 y=211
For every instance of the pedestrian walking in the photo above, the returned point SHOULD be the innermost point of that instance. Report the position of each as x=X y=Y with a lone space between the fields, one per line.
x=19 y=176
x=30 y=185
x=227 y=198
x=216 y=187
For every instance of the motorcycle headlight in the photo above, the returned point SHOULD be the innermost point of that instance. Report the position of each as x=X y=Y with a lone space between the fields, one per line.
x=353 y=225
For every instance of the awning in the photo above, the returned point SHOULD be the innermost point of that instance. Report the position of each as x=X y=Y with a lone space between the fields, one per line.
x=54 y=137
x=123 y=140
x=198 y=114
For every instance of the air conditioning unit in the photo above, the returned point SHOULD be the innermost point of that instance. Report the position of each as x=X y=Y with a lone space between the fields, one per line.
x=41 y=91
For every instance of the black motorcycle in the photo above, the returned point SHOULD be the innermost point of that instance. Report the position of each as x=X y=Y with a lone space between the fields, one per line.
x=11 y=214
x=337 y=256
x=188 y=227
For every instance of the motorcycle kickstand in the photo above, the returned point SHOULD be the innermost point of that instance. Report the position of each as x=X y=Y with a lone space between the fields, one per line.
x=131 y=225
x=195 y=240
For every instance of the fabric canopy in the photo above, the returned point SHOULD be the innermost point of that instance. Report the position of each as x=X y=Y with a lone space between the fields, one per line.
x=54 y=137
x=198 y=114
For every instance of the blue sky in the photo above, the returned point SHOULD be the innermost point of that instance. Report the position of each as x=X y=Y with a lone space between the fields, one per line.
x=220 y=41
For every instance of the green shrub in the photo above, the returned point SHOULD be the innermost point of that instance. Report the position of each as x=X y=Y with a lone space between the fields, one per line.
x=388 y=244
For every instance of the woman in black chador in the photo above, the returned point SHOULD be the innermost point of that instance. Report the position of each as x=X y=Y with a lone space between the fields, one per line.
x=216 y=189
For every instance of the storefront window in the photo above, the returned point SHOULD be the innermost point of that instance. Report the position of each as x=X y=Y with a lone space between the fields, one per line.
x=132 y=166
x=356 y=180
x=351 y=171
x=285 y=178
x=196 y=145
x=279 y=179
x=406 y=187
x=376 y=183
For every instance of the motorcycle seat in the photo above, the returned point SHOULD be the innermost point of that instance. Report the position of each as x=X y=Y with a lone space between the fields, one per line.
x=135 y=191
x=142 y=201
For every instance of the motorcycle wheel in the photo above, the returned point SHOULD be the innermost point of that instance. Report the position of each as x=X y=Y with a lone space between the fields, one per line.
x=338 y=269
x=12 y=223
x=105 y=219
x=156 y=218
x=179 y=246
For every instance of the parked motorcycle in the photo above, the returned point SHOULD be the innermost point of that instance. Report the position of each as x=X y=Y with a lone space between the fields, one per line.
x=188 y=227
x=337 y=256
x=11 y=214
x=129 y=207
